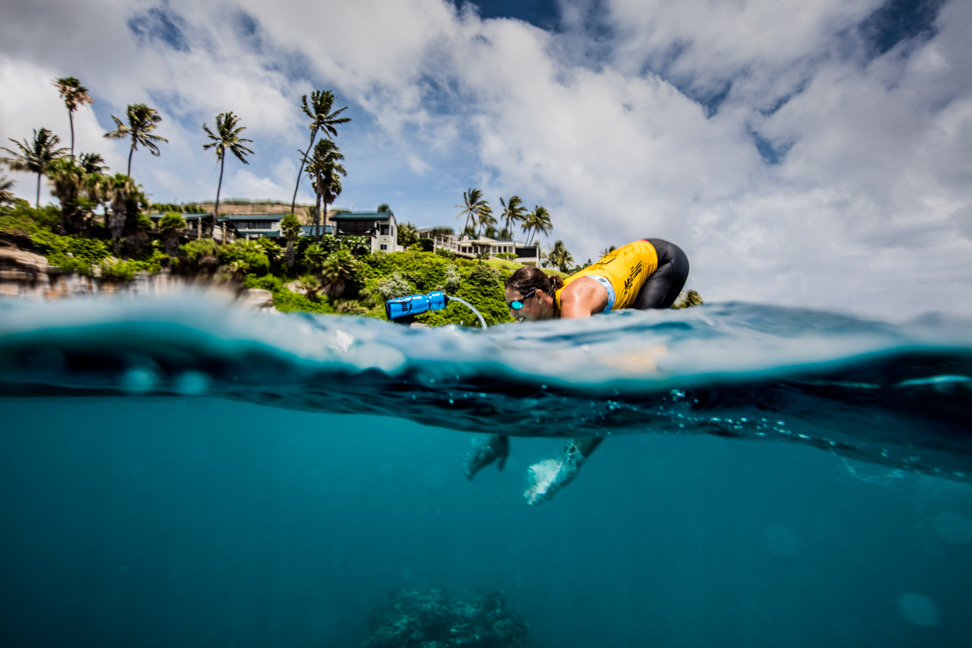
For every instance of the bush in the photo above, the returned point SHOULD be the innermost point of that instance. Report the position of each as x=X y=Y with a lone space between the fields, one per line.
x=452 y=279
x=200 y=248
x=245 y=257
x=21 y=218
x=393 y=286
x=71 y=253
x=123 y=271
x=286 y=301
x=126 y=270
x=200 y=255
x=359 y=246
x=172 y=221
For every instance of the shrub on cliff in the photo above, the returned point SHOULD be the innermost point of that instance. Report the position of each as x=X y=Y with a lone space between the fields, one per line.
x=245 y=257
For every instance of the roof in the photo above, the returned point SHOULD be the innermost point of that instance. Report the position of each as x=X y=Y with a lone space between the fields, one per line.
x=305 y=230
x=225 y=217
x=251 y=217
x=357 y=215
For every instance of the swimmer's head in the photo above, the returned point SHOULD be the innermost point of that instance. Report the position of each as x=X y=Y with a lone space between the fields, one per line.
x=530 y=294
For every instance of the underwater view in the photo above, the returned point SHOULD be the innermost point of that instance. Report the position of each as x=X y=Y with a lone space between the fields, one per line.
x=181 y=472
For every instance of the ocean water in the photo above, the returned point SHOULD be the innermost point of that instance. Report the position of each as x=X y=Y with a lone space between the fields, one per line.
x=177 y=472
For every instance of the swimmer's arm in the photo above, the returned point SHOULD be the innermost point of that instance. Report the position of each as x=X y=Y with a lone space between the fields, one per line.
x=582 y=298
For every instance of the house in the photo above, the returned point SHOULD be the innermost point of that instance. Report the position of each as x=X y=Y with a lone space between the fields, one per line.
x=253 y=226
x=380 y=227
x=473 y=248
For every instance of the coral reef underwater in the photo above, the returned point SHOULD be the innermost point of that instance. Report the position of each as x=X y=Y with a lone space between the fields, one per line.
x=433 y=619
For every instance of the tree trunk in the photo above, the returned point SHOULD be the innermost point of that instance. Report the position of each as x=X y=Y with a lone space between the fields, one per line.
x=300 y=171
x=131 y=152
x=219 y=188
x=71 y=119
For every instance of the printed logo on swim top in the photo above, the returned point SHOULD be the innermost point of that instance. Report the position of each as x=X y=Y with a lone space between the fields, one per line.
x=607 y=258
x=633 y=274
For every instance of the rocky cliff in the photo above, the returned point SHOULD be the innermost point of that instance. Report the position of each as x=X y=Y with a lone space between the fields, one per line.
x=27 y=274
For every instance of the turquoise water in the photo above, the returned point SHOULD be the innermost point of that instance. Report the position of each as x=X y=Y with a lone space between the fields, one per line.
x=178 y=473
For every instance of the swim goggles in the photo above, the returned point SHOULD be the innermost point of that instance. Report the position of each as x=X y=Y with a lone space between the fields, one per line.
x=517 y=304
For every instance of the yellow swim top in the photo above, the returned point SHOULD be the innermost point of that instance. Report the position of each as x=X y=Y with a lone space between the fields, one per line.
x=622 y=273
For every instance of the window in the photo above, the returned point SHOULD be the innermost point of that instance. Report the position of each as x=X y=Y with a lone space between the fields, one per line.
x=384 y=247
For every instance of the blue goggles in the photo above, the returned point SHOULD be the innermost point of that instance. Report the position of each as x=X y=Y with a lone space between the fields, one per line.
x=517 y=304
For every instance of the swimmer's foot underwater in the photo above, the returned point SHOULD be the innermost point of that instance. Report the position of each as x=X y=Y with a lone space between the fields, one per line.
x=549 y=476
x=484 y=451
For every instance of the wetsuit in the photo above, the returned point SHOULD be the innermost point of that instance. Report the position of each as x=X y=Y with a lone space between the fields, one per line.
x=644 y=274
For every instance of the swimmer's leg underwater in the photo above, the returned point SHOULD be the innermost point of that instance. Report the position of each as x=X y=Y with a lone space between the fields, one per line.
x=545 y=477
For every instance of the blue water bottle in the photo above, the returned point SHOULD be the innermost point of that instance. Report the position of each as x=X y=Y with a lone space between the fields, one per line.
x=415 y=304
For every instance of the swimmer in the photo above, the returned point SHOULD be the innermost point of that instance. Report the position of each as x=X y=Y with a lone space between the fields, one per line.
x=645 y=274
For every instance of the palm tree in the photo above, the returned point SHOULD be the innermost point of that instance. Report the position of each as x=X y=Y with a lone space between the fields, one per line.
x=513 y=212
x=559 y=257
x=92 y=163
x=290 y=226
x=228 y=138
x=272 y=250
x=142 y=120
x=74 y=95
x=35 y=156
x=314 y=257
x=125 y=199
x=99 y=187
x=536 y=222
x=486 y=219
x=68 y=185
x=319 y=110
x=338 y=270
x=473 y=204
x=325 y=171
x=408 y=235
x=6 y=195
x=170 y=227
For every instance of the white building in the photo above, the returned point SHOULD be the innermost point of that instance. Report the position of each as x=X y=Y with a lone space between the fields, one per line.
x=380 y=227
x=483 y=247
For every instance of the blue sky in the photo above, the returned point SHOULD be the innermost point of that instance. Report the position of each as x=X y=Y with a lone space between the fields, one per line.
x=815 y=154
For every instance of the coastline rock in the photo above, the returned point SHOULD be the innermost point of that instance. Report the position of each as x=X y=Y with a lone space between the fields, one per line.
x=256 y=299
x=26 y=274
x=21 y=270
